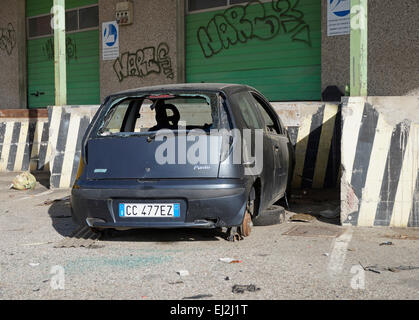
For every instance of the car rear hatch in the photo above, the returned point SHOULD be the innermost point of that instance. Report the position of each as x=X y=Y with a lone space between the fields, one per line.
x=135 y=157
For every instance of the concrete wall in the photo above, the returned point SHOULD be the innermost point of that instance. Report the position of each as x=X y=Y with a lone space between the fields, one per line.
x=335 y=56
x=380 y=162
x=67 y=125
x=24 y=140
x=12 y=54
x=151 y=37
x=314 y=129
x=393 y=44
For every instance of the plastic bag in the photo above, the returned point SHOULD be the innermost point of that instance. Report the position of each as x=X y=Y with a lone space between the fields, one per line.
x=24 y=181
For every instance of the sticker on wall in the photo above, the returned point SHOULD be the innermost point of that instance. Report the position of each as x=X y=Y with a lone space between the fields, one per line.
x=110 y=40
x=338 y=17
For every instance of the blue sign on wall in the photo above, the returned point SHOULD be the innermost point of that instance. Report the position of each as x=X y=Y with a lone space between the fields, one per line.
x=338 y=17
x=110 y=40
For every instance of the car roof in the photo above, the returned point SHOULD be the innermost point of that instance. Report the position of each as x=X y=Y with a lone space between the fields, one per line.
x=214 y=87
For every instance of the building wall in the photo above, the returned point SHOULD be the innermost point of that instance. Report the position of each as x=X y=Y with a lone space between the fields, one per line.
x=393 y=43
x=393 y=48
x=12 y=54
x=335 y=56
x=149 y=43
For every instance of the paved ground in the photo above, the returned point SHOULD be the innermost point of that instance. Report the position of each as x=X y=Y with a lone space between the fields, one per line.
x=144 y=264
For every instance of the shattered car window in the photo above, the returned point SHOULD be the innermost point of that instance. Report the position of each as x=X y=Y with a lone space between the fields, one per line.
x=151 y=113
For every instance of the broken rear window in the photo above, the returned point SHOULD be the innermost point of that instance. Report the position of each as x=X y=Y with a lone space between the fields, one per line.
x=150 y=113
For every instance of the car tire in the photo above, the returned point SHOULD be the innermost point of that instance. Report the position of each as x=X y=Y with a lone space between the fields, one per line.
x=273 y=215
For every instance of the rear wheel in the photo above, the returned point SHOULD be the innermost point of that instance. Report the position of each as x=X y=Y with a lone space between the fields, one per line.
x=247 y=224
x=243 y=230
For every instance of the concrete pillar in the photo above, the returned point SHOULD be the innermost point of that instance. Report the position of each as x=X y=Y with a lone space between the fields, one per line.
x=180 y=41
x=359 y=47
x=58 y=24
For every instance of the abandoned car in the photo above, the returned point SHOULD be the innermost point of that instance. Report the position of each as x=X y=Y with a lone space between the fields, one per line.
x=186 y=155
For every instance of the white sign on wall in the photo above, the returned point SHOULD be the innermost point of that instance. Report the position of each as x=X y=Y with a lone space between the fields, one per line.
x=110 y=40
x=338 y=17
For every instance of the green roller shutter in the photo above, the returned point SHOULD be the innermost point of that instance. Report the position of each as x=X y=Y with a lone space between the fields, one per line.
x=82 y=49
x=272 y=46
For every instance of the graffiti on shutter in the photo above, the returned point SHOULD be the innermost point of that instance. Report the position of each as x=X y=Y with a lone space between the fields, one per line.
x=241 y=23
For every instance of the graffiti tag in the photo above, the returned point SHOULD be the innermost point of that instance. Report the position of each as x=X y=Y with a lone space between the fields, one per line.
x=144 y=62
x=70 y=47
x=7 y=39
x=241 y=23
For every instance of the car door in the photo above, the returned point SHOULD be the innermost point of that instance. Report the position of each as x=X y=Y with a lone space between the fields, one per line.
x=249 y=117
x=279 y=141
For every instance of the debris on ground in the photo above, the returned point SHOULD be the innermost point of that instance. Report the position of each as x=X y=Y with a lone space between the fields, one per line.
x=230 y=260
x=402 y=237
x=49 y=202
x=233 y=234
x=371 y=269
x=303 y=217
x=33 y=264
x=94 y=246
x=176 y=282
x=326 y=254
x=36 y=243
x=377 y=268
x=351 y=249
x=330 y=214
x=403 y=268
x=199 y=296
x=238 y=288
x=23 y=181
x=183 y=273
x=81 y=237
x=227 y=278
x=310 y=230
x=388 y=243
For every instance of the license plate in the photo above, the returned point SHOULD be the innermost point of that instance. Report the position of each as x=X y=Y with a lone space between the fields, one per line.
x=149 y=210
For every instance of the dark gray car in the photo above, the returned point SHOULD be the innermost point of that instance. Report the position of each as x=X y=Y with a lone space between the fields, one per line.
x=186 y=155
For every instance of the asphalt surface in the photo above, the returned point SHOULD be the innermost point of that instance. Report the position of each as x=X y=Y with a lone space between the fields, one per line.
x=145 y=264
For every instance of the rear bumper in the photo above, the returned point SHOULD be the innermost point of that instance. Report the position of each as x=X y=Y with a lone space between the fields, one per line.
x=204 y=203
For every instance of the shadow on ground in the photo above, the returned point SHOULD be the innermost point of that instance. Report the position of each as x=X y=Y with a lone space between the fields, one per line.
x=43 y=177
x=322 y=204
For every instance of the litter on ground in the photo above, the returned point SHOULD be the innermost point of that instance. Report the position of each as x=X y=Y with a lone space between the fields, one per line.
x=303 y=217
x=238 y=288
x=24 y=181
x=183 y=273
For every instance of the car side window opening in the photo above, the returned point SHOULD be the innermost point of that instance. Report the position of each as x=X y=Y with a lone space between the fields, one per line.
x=148 y=115
x=271 y=125
x=247 y=110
